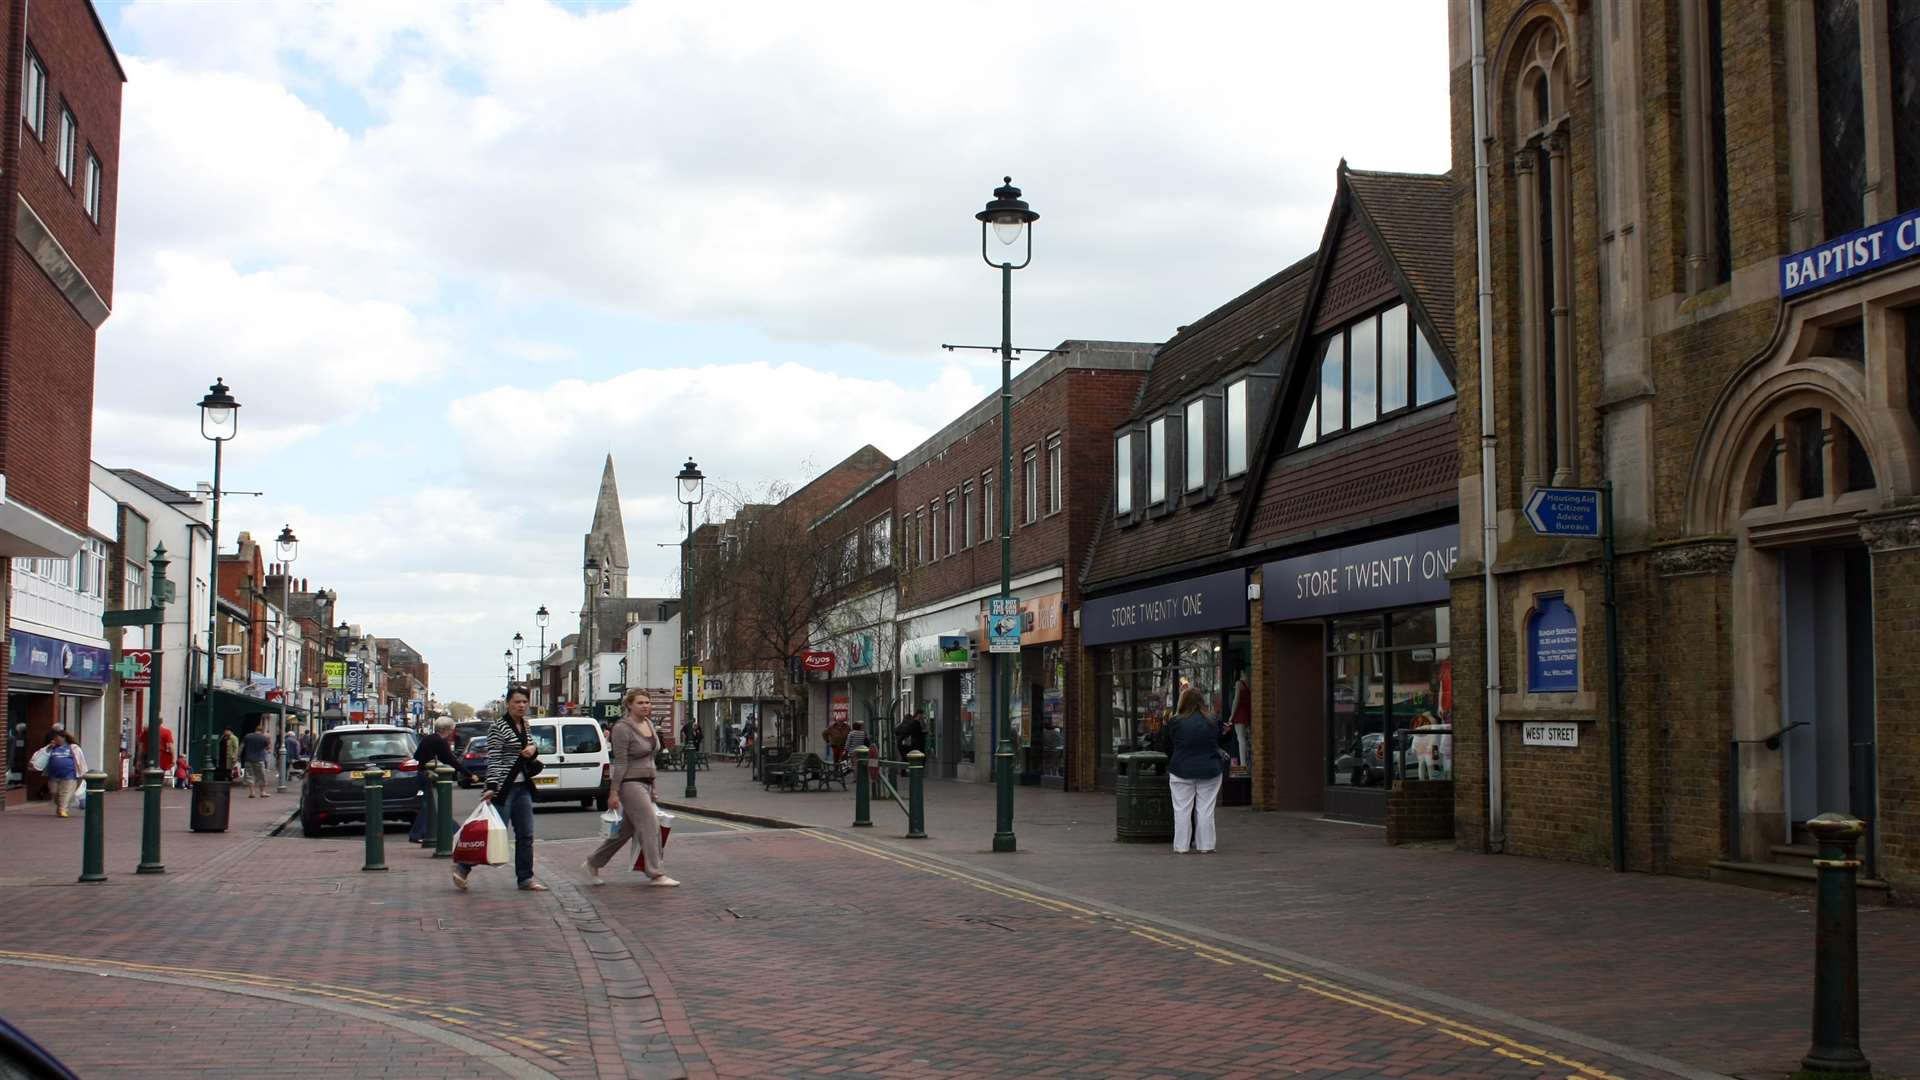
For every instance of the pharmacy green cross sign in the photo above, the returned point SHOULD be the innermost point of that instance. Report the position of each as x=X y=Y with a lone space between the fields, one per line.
x=128 y=667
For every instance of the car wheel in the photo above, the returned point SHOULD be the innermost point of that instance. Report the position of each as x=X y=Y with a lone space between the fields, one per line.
x=587 y=803
x=308 y=826
x=600 y=801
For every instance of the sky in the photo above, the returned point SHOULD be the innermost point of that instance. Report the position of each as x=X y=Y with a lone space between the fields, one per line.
x=450 y=256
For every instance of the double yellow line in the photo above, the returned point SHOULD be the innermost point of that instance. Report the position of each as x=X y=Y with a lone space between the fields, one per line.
x=1492 y=1041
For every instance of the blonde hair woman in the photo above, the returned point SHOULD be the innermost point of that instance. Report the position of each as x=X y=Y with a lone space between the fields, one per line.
x=1194 y=769
x=633 y=742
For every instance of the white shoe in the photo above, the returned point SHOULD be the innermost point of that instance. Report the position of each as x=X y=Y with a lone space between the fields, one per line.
x=459 y=880
x=593 y=873
x=663 y=882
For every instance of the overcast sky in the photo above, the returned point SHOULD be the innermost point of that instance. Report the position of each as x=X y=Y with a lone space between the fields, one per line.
x=449 y=256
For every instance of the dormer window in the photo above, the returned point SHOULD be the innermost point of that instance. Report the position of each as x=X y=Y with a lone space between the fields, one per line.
x=1371 y=369
x=1123 y=474
x=1235 y=428
x=1157 y=462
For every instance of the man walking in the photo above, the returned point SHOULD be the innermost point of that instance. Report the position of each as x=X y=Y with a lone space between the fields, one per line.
x=434 y=749
x=254 y=750
x=510 y=753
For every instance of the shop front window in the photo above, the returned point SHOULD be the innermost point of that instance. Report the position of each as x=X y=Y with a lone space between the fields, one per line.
x=1140 y=685
x=1390 y=701
x=968 y=704
x=1052 y=721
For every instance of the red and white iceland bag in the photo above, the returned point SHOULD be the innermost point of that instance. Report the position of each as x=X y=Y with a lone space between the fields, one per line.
x=666 y=826
x=482 y=840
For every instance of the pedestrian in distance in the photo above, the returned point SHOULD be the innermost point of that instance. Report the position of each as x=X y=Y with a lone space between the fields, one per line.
x=512 y=762
x=910 y=734
x=63 y=764
x=836 y=735
x=1195 y=766
x=633 y=743
x=253 y=760
x=230 y=754
x=434 y=749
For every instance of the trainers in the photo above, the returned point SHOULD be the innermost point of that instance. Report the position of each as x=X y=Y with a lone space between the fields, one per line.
x=593 y=873
x=459 y=879
x=663 y=882
x=531 y=885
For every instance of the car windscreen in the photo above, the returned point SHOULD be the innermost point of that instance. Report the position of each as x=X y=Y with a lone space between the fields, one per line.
x=368 y=745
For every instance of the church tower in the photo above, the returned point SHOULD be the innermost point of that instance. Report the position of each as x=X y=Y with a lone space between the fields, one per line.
x=606 y=541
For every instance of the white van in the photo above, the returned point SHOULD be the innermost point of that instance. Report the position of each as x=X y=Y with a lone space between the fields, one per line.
x=578 y=764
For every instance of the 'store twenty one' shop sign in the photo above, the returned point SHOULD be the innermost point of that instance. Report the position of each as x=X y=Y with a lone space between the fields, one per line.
x=1194 y=606
x=1404 y=571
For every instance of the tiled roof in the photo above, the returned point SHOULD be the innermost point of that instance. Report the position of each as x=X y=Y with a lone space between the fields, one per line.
x=166 y=493
x=1413 y=214
x=1236 y=333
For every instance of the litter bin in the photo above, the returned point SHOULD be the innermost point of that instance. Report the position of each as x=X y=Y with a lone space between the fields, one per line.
x=1144 y=800
x=212 y=798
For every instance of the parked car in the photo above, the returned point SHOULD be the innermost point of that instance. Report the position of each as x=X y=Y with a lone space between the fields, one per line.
x=576 y=759
x=334 y=792
x=467 y=730
x=1363 y=762
x=473 y=762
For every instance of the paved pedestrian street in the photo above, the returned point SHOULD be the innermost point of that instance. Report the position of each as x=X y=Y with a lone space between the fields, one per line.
x=823 y=951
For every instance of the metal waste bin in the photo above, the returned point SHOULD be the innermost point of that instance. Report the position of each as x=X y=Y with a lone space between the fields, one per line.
x=1143 y=808
x=212 y=798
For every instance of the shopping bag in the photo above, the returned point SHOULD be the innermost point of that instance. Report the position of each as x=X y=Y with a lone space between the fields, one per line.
x=610 y=824
x=79 y=800
x=666 y=826
x=483 y=838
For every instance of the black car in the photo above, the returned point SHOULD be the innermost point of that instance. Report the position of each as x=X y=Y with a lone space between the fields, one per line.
x=473 y=762
x=334 y=791
x=467 y=730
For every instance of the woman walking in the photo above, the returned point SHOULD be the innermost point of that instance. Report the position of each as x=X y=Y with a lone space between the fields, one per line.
x=634 y=742
x=1194 y=766
x=64 y=766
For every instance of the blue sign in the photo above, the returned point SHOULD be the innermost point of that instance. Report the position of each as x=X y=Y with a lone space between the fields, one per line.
x=356 y=676
x=1564 y=512
x=51 y=658
x=1859 y=252
x=1553 y=647
x=1194 y=606
x=1003 y=624
x=1403 y=571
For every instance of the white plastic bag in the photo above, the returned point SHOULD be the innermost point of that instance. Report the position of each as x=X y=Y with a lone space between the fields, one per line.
x=483 y=838
x=610 y=824
x=79 y=800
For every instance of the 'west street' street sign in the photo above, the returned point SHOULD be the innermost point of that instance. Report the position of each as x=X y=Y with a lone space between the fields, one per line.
x=1564 y=512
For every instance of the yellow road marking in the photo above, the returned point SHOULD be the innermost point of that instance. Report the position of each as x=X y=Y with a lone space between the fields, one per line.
x=1465 y=1038
x=1363 y=999
x=1158 y=940
x=1504 y=1052
x=1363 y=1005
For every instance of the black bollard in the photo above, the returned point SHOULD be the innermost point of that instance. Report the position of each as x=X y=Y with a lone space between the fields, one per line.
x=1836 y=951
x=94 y=842
x=376 y=819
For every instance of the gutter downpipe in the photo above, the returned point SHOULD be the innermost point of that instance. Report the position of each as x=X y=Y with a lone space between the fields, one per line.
x=1489 y=523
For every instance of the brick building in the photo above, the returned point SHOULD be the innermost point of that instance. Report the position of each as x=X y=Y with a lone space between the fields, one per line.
x=59 y=172
x=948 y=509
x=855 y=620
x=1286 y=447
x=1703 y=288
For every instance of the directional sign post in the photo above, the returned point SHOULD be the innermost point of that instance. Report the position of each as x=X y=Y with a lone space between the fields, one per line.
x=1587 y=513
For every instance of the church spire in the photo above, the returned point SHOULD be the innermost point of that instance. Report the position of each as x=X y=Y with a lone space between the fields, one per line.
x=606 y=540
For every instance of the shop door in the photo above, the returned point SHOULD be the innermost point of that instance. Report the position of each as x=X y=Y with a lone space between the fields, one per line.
x=1826 y=682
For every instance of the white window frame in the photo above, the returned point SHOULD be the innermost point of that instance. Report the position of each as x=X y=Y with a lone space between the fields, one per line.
x=95 y=181
x=953 y=527
x=986 y=505
x=1196 y=443
x=1030 y=477
x=1056 y=473
x=1234 y=459
x=33 y=98
x=934 y=518
x=880 y=541
x=1123 y=474
x=1157 y=461
x=921 y=536
x=68 y=145
x=966 y=515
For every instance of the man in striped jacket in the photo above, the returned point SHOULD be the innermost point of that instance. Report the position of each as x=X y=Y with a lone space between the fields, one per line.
x=509 y=787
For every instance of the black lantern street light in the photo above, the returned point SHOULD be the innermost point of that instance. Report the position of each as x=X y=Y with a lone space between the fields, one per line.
x=540 y=619
x=596 y=584
x=1009 y=218
x=219 y=422
x=519 y=643
x=691 y=489
x=286 y=547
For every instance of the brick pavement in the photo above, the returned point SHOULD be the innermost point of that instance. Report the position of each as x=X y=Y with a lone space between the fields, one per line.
x=42 y=849
x=1712 y=975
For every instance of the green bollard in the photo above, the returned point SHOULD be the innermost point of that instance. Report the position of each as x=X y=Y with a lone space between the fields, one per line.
x=1836 y=955
x=916 y=795
x=862 y=800
x=376 y=820
x=93 y=856
x=442 y=812
x=150 y=825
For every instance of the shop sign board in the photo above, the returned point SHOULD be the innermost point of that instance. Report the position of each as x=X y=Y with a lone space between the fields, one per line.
x=1401 y=571
x=1194 y=606
x=1003 y=624
x=1550 y=733
x=1859 y=252
x=336 y=674
x=1565 y=512
x=1553 y=647
x=680 y=682
x=817 y=661
x=135 y=668
x=51 y=658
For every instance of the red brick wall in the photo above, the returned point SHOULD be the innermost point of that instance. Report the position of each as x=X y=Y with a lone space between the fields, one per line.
x=80 y=71
x=47 y=397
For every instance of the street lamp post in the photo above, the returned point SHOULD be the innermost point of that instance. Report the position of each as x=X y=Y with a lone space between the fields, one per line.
x=592 y=568
x=219 y=422
x=287 y=547
x=518 y=644
x=692 y=485
x=540 y=618
x=1009 y=217
x=161 y=592
x=506 y=657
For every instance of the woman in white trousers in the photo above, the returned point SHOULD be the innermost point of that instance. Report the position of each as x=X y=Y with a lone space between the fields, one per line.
x=1195 y=769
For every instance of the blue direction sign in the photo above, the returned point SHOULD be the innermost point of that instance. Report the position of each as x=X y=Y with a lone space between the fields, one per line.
x=1564 y=512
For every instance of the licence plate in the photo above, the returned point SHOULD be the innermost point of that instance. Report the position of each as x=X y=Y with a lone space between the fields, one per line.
x=356 y=776
x=546 y=779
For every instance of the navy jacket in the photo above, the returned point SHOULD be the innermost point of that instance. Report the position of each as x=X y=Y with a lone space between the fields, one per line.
x=1195 y=749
